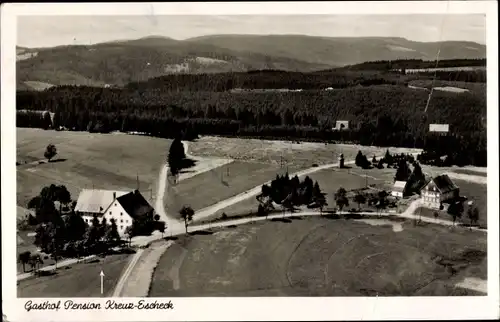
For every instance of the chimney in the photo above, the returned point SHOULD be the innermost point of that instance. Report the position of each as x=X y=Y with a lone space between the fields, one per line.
x=114 y=195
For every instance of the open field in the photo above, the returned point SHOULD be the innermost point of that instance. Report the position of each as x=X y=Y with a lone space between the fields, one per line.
x=479 y=88
x=102 y=161
x=210 y=187
x=302 y=155
x=80 y=280
x=322 y=257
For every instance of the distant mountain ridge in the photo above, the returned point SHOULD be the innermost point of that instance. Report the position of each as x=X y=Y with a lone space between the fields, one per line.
x=117 y=63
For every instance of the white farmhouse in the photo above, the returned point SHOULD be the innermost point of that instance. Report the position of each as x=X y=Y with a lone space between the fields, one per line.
x=398 y=189
x=438 y=190
x=123 y=207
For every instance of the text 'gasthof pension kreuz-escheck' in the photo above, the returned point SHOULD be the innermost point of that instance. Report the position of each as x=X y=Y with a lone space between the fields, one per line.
x=108 y=305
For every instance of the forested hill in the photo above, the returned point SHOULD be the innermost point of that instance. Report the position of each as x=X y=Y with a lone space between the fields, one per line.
x=385 y=115
x=275 y=79
x=120 y=62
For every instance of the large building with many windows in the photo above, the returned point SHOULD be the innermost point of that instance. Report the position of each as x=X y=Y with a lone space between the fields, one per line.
x=439 y=190
x=123 y=207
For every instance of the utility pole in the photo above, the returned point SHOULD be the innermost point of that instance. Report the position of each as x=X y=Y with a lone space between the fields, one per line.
x=137 y=181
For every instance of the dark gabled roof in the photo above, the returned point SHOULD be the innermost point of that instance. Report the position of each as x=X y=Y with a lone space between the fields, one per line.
x=135 y=204
x=444 y=184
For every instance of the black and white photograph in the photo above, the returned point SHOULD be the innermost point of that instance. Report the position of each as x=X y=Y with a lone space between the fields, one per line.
x=250 y=155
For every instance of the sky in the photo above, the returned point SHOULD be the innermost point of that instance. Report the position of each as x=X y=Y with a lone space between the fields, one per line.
x=48 y=31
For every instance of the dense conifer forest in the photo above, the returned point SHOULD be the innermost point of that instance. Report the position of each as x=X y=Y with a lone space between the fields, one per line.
x=380 y=108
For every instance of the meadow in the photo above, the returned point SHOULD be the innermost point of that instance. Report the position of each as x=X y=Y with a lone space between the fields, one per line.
x=218 y=184
x=79 y=280
x=321 y=257
x=292 y=153
x=87 y=160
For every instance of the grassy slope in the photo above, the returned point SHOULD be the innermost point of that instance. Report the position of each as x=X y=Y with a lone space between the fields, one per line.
x=213 y=186
x=80 y=280
x=109 y=161
x=343 y=51
x=320 y=257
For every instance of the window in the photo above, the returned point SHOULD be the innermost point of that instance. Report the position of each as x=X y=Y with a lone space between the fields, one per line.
x=121 y=220
x=110 y=213
x=121 y=213
x=115 y=204
x=121 y=227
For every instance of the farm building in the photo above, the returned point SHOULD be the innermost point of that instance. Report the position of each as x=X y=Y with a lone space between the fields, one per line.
x=439 y=129
x=438 y=190
x=341 y=125
x=124 y=207
x=398 y=189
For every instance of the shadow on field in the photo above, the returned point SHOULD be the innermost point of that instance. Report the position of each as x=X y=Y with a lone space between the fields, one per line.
x=170 y=238
x=285 y=220
x=353 y=216
x=201 y=232
x=187 y=163
x=46 y=273
x=295 y=218
x=331 y=216
x=58 y=160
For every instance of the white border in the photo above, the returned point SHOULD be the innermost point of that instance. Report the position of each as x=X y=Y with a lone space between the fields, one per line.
x=225 y=309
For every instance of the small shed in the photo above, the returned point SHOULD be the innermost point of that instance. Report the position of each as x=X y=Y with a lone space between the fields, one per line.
x=398 y=189
x=439 y=129
x=341 y=125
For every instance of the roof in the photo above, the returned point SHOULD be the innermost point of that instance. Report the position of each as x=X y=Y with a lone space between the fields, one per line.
x=443 y=183
x=92 y=201
x=439 y=127
x=399 y=186
x=135 y=204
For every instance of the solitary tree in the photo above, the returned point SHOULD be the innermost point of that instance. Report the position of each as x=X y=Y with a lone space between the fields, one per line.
x=319 y=197
x=24 y=258
x=403 y=172
x=62 y=195
x=341 y=198
x=187 y=214
x=359 y=198
x=161 y=227
x=382 y=200
x=175 y=156
x=388 y=157
x=129 y=233
x=473 y=214
x=35 y=261
x=359 y=161
x=50 y=152
x=456 y=210
x=112 y=236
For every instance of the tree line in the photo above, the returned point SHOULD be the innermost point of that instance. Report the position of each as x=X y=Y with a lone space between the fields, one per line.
x=417 y=64
x=378 y=115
